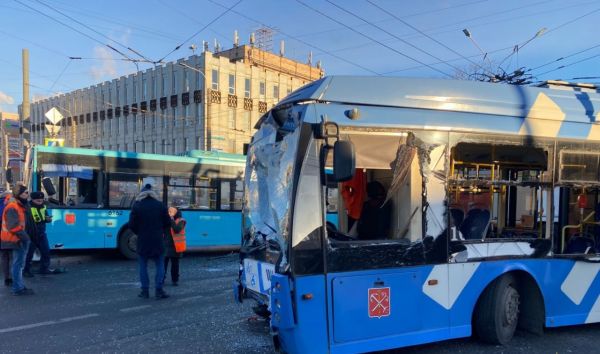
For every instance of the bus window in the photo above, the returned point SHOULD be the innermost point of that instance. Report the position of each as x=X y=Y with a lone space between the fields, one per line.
x=498 y=189
x=122 y=189
x=206 y=194
x=231 y=194
x=180 y=193
x=400 y=194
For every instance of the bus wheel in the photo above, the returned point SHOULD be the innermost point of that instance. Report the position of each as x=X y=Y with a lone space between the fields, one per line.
x=497 y=312
x=128 y=244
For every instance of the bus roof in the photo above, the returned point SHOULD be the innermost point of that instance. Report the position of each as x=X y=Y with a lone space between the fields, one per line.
x=572 y=103
x=204 y=156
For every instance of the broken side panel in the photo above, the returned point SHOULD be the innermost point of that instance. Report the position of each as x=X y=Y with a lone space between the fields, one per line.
x=267 y=197
x=405 y=177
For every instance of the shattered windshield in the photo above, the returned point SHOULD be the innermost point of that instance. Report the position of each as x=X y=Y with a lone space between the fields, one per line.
x=268 y=187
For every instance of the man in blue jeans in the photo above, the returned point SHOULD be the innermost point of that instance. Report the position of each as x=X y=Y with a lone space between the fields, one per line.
x=148 y=220
x=14 y=236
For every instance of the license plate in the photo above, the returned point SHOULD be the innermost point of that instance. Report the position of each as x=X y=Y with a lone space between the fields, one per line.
x=257 y=275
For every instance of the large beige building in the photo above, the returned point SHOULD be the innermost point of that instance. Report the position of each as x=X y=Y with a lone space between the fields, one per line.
x=208 y=101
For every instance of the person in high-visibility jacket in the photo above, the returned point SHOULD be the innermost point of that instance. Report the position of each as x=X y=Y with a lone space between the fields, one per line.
x=39 y=240
x=14 y=235
x=175 y=244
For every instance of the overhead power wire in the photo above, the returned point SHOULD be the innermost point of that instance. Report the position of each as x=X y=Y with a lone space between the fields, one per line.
x=395 y=36
x=78 y=31
x=424 y=34
x=227 y=10
x=372 y=39
x=565 y=57
x=61 y=74
x=569 y=65
x=93 y=30
x=310 y=45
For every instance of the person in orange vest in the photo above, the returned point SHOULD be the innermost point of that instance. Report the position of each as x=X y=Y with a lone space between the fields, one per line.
x=5 y=254
x=175 y=244
x=14 y=235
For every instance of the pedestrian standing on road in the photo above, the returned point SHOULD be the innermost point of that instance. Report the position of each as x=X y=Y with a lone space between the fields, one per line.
x=14 y=235
x=5 y=254
x=175 y=244
x=148 y=220
x=39 y=240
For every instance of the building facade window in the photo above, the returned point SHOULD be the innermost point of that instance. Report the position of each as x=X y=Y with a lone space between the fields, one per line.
x=276 y=92
x=135 y=98
x=186 y=81
x=247 y=121
x=231 y=119
x=247 y=89
x=262 y=89
x=198 y=115
x=231 y=84
x=186 y=115
x=144 y=87
x=174 y=82
x=215 y=80
x=154 y=84
x=199 y=83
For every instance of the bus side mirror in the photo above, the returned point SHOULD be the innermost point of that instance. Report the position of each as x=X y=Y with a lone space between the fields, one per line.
x=48 y=186
x=344 y=160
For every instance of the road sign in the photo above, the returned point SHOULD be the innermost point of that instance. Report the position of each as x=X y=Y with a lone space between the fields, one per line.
x=54 y=142
x=53 y=129
x=54 y=115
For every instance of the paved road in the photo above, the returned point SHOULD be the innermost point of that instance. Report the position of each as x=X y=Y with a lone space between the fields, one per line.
x=94 y=308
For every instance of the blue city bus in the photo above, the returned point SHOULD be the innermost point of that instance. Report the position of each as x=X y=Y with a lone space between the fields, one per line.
x=476 y=210
x=91 y=193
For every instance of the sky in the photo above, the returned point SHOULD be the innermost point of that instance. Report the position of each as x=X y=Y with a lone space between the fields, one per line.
x=349 y=37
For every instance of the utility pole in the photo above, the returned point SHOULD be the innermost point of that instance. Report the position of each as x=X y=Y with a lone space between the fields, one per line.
x=25 y=117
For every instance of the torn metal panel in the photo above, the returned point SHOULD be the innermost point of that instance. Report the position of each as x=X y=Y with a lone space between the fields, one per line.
x=268 y=182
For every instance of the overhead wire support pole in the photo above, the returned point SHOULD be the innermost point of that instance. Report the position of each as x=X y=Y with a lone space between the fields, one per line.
x=468 y=35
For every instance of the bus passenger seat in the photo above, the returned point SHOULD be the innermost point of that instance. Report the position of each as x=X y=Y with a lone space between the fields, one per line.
x=579 y=244
x=458 y=216
x=476 y=224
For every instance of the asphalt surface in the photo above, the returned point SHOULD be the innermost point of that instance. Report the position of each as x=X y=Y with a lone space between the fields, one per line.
x=94 y=308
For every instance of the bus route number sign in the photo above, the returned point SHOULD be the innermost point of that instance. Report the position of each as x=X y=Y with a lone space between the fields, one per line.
x=379 y=302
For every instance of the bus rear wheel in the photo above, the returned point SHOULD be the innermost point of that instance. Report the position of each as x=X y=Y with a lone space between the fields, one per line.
x=128 y=244
x=497 y=312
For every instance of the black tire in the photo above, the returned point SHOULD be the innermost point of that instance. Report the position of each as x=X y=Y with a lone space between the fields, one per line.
x=497 y=312
x=128 y=244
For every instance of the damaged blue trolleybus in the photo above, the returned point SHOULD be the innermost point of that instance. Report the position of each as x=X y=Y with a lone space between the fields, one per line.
x=91 y=193
x=463 y=207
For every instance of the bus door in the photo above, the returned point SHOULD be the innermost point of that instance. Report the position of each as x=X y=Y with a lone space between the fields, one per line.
x=387 y=271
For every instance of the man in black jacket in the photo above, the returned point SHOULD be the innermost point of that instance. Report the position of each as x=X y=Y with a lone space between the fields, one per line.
x=149 y=220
